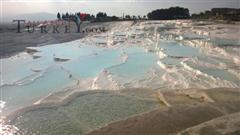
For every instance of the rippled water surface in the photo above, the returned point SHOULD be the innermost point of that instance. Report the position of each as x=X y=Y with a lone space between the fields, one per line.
x=141 y=57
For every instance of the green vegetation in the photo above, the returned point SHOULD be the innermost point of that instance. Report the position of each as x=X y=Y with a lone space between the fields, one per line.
x=100 y=17
x=230 y=14
x=169 y=14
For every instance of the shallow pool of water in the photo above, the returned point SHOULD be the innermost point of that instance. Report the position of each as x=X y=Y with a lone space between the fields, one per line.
x=28 y=80
x=171 y=64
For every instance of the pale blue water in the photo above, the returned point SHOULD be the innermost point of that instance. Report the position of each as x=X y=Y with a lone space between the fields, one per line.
x=86 y=61
x=11 y=69
x=135 y=67
x=18 y=96
x=171 y=61
x=22 y=86
x=177 y=50
x=192 y=35
x=92 y=65
x=208 y=65
x=224 y=41
x=217 y=73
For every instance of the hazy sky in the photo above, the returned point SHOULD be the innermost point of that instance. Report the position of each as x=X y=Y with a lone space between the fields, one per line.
x=111 y=7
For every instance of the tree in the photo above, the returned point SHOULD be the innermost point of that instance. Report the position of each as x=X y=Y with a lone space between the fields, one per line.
x=144 y=17
x=128 y=17
x=139 y=17
x=134 y=17
x=67 y=15
x=169 y=14
x=63 y=16
x=58 y=16
x=101 y=16
x=231 y=14
x=114 y=18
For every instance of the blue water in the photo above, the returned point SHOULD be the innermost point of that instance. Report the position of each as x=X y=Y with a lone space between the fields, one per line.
x=18 y=96
x=90 y=66
x=86 y=61
x=224 y=41
x=177 y=50
x=22 y=85
x=135 y=67
x=217 y=73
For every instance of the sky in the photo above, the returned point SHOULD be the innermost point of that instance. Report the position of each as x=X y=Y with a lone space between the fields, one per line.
x=111 y=7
